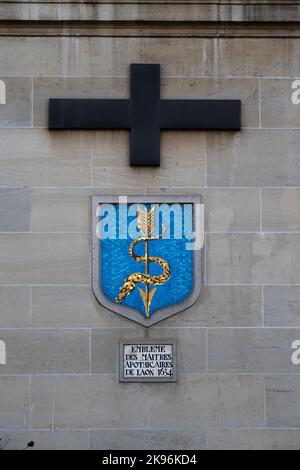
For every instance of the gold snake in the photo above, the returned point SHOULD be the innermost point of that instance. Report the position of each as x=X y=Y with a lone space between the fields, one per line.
x=135 y=278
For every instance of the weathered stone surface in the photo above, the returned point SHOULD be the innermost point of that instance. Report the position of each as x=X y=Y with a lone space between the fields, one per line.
x=15 y=208
x=17 y=110
x=253 y=258
x=281 y=209
x=259 y=350
x=36 y=157
x=283 y=401
x=41 y=56
x=231 y=209
x=191 y=347
x=45 y=351
x=44 y=440
x=14 y=396
x=208 y=402
x=93 y=401
x=98 y=56
x=14 y=307
x=61 y=210
x=248 y=57
x=150 y=439
x=182 y=160
x=234 y=306
x=247 y=158
x=282 y=306
x=164 y=11
x=254 y=439
x=178 y=56
x=44 y=259
x=277 y=108
x=70 y=306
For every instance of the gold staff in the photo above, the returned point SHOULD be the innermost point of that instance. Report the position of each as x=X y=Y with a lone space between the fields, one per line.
x=146 y=224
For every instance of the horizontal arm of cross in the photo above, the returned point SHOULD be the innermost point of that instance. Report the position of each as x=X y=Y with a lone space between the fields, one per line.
x=89 y=114
x=116 y=114
x=200 y=114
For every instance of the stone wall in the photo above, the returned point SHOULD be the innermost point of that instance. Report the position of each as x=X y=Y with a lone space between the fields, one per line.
x=237 y=386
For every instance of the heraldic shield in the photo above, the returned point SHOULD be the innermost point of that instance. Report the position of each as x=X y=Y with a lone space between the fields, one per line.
x=147 y=254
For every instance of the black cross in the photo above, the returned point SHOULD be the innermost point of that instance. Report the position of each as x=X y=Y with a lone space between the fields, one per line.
x=144 y=114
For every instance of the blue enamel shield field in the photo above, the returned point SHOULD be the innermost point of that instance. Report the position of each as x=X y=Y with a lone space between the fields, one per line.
x=145 y=264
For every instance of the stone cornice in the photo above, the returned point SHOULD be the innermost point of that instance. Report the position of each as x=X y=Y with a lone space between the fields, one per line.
x=154 y=11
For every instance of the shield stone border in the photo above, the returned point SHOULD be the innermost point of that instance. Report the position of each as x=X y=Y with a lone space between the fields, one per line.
x=198 y=261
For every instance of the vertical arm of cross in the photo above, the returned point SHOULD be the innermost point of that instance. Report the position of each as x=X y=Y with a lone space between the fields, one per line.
x=145 y=110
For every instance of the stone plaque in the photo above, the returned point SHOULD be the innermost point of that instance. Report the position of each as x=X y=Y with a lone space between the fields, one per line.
x=148 y=361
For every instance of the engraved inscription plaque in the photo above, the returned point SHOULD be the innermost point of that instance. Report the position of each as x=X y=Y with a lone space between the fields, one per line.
x=148 y=361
